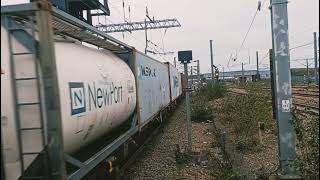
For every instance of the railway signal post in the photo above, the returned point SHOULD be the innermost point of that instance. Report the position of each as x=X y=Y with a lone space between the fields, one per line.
x=282 y=88
x=185 y=57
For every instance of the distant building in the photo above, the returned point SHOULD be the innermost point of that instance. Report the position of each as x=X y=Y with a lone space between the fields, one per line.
x=249 y=74
x=297 y=74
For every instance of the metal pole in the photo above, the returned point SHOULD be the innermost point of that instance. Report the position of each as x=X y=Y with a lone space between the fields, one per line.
x=191 y=76
x=273 y=94
x=89 y=17
x=189 y=127
x=146 y=35
x=211 y=60
x=272 y=69
x=271 y=15
x=257 y=55
x=51 y=93
x=174 y=62
x=315 y=59
x=2 y=162
x=249 y=55
x=198 y=68
x=223 y=74
x=242 y=74
x=307 y=71
x=286 y=134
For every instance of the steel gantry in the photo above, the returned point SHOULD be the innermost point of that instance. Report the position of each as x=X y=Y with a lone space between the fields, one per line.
x=141 y=25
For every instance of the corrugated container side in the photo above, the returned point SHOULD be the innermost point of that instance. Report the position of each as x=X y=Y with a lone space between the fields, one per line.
x=153 y=87
x=175 y=81
x=180 y=84
x=183 y=82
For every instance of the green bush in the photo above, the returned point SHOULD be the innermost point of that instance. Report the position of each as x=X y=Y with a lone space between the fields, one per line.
x=242 y=113
x=200 y=109
x=213 y=90
x=246 y=144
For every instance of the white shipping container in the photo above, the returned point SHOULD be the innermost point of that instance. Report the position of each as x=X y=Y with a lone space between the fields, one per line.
x=108 y=87
x=152 y=86
x=175 y=81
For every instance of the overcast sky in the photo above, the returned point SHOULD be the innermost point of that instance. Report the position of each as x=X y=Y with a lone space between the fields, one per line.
x=225 y=22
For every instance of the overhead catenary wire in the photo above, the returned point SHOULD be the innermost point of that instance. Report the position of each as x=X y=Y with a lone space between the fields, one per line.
x=246 y=35
x=138 y=40
x=117 y=10
x=264 y=57
x=305 y=64
x=250 y=26
x=162 y=38
x=300 y=46
x=295 y=47
x=302 y=59
x=260 y=5
x=228 y=64
x=156 y=49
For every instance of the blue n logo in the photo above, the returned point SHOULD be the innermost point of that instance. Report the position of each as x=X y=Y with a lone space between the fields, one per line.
x=77 y=97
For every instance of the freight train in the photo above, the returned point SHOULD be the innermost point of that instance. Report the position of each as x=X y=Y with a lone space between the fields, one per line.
x=98 y=93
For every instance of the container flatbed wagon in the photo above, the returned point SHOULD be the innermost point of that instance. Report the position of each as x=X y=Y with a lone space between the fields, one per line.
x=98 y=91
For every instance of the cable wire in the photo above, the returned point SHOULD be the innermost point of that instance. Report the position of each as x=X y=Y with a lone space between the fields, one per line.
x=245 y=37
x=300 y=46
x=156 y=48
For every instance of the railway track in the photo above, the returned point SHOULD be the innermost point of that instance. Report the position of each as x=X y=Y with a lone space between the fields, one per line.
x=298 y=105
x=303 y=93
x=138 y=152
x=306 y=107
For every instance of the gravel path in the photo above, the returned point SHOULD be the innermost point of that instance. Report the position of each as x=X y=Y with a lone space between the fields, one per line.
x=157 y=161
